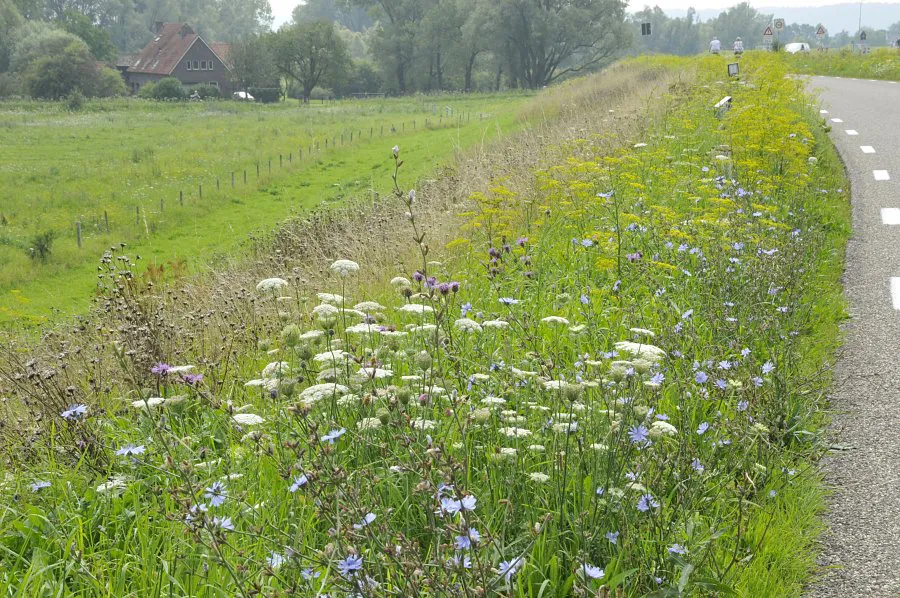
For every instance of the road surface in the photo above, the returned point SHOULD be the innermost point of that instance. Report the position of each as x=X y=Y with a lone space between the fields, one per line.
x=861 y=555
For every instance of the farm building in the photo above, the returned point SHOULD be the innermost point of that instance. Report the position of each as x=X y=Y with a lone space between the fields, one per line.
x=177 y=51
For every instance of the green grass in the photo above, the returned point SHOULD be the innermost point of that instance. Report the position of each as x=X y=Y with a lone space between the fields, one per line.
x=116 y=158
x=881 y=63
x=691 y=271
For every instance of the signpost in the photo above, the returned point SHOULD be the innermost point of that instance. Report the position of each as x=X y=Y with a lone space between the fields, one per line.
x=767 y=36
x=733 y=69
x=820 y=33
x=779 y=24
x=645 y=29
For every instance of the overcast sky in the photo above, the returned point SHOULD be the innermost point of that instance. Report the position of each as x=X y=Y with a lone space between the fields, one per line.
x=282 y=8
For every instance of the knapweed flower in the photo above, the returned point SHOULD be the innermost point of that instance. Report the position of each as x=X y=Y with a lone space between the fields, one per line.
x=646 y=502
x=299 y=482
x=350 y=565
x=333 y=435
x=161 y=369
x=216 y=494
x=129 y=450
x=344 y=268
x=74 y=412
x=591 y=572
x=192 y=379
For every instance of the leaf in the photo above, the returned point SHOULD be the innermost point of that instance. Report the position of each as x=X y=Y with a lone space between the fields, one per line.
x=685 y=576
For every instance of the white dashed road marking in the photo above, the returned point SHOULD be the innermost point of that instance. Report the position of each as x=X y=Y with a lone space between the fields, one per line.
x=895 y=292
x=851 y=132
x=867 y=149
x=823 y=111
x=881 y=175
x=836 y=120
x=890 y=216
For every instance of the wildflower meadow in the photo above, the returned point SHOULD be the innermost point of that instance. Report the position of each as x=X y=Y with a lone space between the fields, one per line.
x=610 y=385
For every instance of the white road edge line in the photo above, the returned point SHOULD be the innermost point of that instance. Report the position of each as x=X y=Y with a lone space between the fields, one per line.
x=890 y=216
x=895 y=292
x=867 y=149
x=823 y=111
x=881 y=175
x=836 y=120
x=851 y=132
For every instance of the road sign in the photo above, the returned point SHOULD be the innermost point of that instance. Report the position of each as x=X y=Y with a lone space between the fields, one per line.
x=733 y=69
x=767 y=35
x=779 y=24
x=820 y=33
x=645 y=28
x=862 y=36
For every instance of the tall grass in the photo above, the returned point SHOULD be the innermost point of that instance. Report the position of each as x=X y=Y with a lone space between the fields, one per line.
x=881 y=63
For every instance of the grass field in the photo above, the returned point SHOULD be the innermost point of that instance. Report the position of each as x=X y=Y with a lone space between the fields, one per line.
x=881 y=63
x=122 y=168
x=612 y=381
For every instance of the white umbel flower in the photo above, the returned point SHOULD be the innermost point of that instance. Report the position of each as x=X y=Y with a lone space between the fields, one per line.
x=344 y=267
x=362 y=328
x=316 y=393
x=276 y=369
x=369 y=307
x=416 y=308
x=325 y=310
x=422 y=424
x=644 y=351
x=247 y=419
x=271 y=285
x=400 y=283
x=498 y=324
x=467 y=325
x=369 y=423
x=555 y=320
x=330 y=298
x=515 y=432
x=662 y=428
x=375 y=373
x=540 y=478
x=642 y=332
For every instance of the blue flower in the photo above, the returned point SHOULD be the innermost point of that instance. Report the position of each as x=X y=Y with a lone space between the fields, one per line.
x=697 y=466
x=767 y=367
x=585 y=299
x=701 y=378
x=309 y=574
x=299 y=482
x=450 y=505
x=468 y=502
x=757 y=381
x=702 y=428
x=74 y=412
x=465 y=309
x=223 y=523
x=350 y=565
x=508 y=301
x=369 y=518
x=677 y=549
x=657 y=378
x=612 y=537
x=587 y=243
x=275 y=560
x=742 y=405
x=591 y=572
x=216 y=494
x=334 y=435
x=646 y=502
x=638 y=434
x=130 y=449
x=721 y=384
x=509 y=568
x=460 y=560
x=39 y=485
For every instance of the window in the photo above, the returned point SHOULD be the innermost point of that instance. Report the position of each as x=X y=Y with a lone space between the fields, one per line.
x=211 y=63
x=196 y=65
x=187 y=64
x=214 y=84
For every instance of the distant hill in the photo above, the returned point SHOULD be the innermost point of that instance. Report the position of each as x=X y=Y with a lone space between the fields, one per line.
x=836 y=18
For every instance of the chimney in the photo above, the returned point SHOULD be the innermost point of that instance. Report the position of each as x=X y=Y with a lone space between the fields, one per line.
x=159 y=26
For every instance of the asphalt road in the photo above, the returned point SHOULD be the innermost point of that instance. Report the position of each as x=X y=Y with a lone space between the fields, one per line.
x=861 y=555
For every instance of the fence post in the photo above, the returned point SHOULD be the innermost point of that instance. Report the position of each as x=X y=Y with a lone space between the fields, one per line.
x=180 y=200
x=232 y=179
x=106 y=219
x=78 y=233
x=280 y=161
x=257 y=170
x=217 y=183
x=161 y=205
x=137 y=215
x=245 y=176
x=200 y=190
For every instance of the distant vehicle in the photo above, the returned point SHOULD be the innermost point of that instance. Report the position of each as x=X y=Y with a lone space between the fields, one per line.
x=795 y=47
x=242 y=96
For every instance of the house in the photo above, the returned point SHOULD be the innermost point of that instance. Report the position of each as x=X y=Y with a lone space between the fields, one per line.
x=177 y=51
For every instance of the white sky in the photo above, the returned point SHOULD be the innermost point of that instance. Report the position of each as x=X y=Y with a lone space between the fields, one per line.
x=281 y=10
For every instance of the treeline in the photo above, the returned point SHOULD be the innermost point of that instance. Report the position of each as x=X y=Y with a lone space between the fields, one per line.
x=687 y=35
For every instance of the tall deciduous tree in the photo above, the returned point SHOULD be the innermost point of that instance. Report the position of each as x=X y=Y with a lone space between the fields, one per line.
x=311 y=54
x=546 y=40
x=253 y=62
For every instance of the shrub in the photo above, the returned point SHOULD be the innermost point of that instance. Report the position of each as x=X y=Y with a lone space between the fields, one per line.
x=75 y=101
x=42 y=246
x=266 y=95
x=169 y=88
x=109 y=84
x=206 y=92
x=56 y=76
x=146 y=91
x=10 y=85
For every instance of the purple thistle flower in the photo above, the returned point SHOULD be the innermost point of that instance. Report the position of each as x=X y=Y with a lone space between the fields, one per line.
x=634 y=257
x=160 y=369
x=192 y=379
x=418 y=276
x=521 y=241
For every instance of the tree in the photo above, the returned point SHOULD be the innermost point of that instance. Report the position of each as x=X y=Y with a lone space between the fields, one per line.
x=10 y=20
x=311 y=54
x=253 y=62
x=343 y=12
x=54 y=76
x=239 y=18
x=97 y=39
x=548 y=40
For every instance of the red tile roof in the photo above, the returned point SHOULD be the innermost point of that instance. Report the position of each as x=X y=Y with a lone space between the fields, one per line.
x=162 y=55
x=222 y=50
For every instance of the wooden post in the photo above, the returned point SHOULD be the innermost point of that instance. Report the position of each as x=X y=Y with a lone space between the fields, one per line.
x=217 y=183
x=280 y=161
x=200 y=190
x=232 y=179
x=106 y=219
x=257 y=170
x=245 y=176
x=78 y=233
x=270 y=165
x=161 y=205
x=403 y=127
x=291 y=158
x=180 y=200
x=137 y=215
